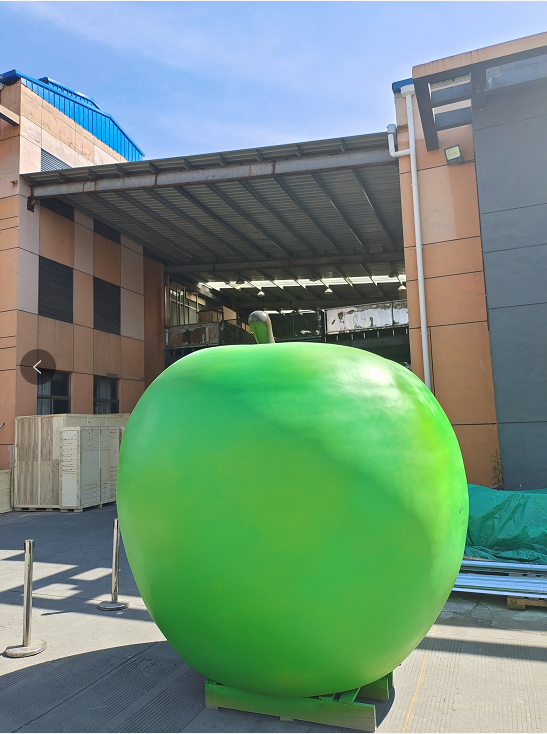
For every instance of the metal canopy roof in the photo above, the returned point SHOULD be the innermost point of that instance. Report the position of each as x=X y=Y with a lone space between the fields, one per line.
x=313 y=210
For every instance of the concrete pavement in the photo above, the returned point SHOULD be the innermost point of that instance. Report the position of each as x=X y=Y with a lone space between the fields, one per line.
x=481 y=668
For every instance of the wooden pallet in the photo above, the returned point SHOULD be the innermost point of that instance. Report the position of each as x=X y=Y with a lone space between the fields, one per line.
x=521 y=602
x=47 y=509
x=32 y=508
x=346 y=709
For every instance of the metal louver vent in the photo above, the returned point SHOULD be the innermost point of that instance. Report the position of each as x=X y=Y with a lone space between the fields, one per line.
x=55 y=290
x=51 y=163
x=106 y=306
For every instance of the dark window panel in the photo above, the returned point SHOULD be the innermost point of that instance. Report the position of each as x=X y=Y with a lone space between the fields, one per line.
x=55 y=290
x=105 y=231
x=53 y=392
x=106 y=306
x=105 y=395
x=59 y=207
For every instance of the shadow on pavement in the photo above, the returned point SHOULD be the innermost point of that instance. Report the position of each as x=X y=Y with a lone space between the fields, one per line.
x=480 y=647
x=72 y=559
x=134 y=688
x=489 y=610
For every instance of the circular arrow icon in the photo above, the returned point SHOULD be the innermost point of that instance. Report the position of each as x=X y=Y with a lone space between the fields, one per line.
x=37 y=365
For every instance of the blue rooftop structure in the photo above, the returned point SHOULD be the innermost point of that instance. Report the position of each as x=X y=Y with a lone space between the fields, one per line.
x=83 y=110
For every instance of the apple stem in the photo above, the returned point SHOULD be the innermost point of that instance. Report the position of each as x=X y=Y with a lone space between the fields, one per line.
x=261 y=326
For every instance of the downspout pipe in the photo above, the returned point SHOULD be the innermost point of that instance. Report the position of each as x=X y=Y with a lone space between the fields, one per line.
x=407 y=92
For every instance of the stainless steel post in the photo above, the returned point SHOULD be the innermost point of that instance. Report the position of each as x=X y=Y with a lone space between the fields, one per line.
x=114 y=604
x=116 y=562
x=27 y=648
x=27 y=593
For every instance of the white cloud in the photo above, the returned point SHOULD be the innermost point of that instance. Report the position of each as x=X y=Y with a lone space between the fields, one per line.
x=255 y=43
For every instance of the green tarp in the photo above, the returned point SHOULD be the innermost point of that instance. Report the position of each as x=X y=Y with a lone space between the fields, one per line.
x=507 y=526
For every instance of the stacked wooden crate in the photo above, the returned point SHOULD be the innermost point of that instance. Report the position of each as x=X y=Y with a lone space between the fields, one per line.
x=43 y=452
x=89 y=466
x=110 y=452
x=5 y=490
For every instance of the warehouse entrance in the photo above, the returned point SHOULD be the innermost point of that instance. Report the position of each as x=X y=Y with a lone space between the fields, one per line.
x=295 y=230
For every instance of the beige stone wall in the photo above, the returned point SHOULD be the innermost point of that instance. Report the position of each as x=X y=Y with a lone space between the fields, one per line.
x=24 y=236
x=459 y=345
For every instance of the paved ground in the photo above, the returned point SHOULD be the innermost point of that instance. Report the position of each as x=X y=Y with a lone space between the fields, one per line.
x=481 y=668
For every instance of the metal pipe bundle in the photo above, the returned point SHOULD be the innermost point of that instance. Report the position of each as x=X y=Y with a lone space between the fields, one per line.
x=505 y=579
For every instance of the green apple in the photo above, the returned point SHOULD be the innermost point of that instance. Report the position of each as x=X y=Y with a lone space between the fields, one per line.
x=294 y=514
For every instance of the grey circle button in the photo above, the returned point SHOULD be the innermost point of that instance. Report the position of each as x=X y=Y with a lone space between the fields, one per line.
x=37 y=365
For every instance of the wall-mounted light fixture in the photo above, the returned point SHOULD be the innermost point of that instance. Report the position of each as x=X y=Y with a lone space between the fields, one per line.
x=453 y=155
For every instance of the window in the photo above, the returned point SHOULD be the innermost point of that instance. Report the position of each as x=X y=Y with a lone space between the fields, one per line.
x=106 y=306
x=53 y=392
x=55 y=290
x=105 y=395
x=183 y=306
x=105 y=231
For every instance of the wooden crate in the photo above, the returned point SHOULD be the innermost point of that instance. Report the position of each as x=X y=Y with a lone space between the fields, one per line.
x=110 y=452
x=89 y=466
x=37 y=455
x=5 y=490
x=80 y=468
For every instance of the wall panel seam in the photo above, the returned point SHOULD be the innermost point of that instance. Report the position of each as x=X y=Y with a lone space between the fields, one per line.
x=517 y=305
x=441 y=165
x=457 y=323
x=472 y=424
x=523 y=423
x=447 y=275
x=513 y=249
x=459 y=239
x=513 y=209
x=509 y=122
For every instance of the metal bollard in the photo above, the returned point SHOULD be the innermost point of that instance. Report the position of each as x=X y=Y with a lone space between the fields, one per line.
x=114 y=605
x=28 y=647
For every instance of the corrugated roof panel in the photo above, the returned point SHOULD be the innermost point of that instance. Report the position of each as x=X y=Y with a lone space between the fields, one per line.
x=298 y=218
x=267 y=216
x=69 y=92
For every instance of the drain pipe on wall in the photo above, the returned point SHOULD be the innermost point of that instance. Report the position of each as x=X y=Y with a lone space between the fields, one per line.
x=407 y=91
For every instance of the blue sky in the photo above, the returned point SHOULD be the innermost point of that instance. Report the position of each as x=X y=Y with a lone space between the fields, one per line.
x=195 y=77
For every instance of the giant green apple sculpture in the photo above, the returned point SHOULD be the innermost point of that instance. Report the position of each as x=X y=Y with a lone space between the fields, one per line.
x=294 y=514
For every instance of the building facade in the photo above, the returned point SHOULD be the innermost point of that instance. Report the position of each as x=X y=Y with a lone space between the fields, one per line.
x=69 y=286
x=116 y=266
x=484 y=225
